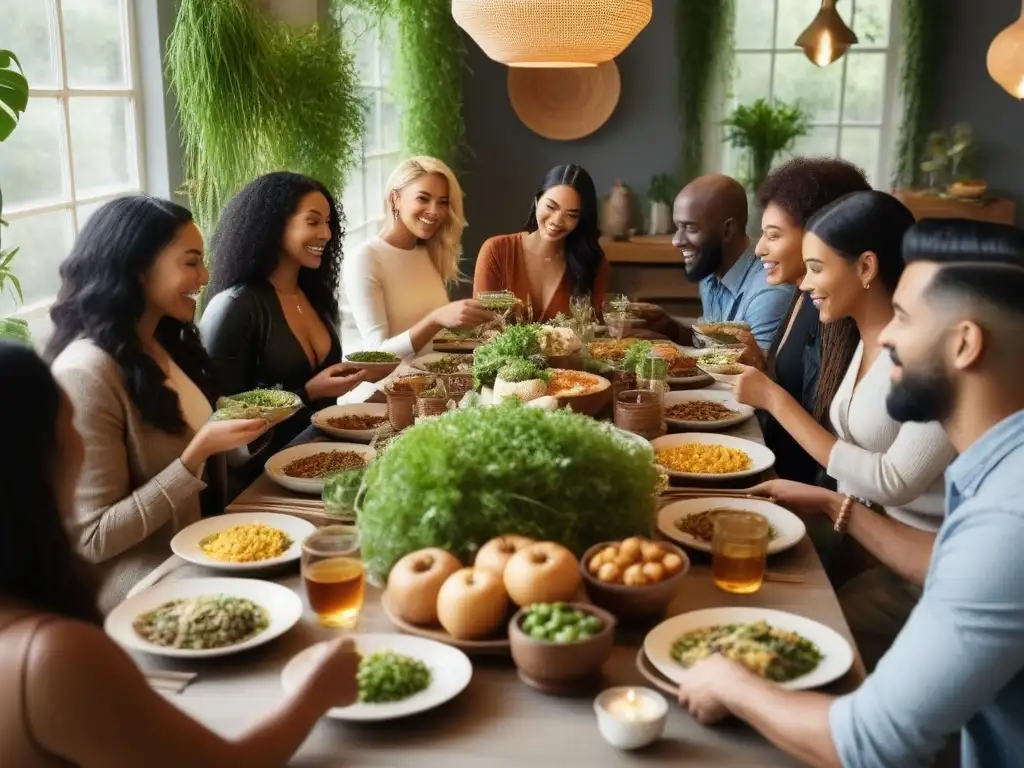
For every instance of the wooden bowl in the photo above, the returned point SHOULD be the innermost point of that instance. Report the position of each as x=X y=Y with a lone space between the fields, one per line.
x=634 y=603
x=562 y=668
x=972 y=190
x=573 y=362
x=374 y=371
x=591 y=403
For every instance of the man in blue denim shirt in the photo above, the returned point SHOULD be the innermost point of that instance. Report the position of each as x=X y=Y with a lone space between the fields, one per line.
x=958 y=664
x=710 y=216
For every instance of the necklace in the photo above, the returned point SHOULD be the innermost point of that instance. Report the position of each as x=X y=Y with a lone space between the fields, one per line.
x=294 y=296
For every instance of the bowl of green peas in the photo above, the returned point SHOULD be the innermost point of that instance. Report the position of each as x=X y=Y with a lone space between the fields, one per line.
x=559 y=648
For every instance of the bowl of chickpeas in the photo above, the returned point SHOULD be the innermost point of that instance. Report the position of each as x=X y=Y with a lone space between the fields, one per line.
x=634 y=579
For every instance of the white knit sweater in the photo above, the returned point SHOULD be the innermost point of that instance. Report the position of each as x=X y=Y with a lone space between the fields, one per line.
x=899 y=466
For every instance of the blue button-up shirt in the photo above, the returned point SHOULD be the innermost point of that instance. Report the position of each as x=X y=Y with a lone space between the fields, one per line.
x=743 y=295
x=959 y=661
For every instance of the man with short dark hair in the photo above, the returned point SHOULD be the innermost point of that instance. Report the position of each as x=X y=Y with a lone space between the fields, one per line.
x=958 y=663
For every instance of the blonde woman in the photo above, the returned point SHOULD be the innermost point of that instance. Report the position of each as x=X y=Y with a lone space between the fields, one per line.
x=395 y=296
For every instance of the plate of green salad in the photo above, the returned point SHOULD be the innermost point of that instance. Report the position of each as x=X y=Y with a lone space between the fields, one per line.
x=399 y=675
x=203 y=618
x=274 y=405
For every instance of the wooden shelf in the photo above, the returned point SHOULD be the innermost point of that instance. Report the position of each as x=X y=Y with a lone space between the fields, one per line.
x=927 y=205
x=642 y=249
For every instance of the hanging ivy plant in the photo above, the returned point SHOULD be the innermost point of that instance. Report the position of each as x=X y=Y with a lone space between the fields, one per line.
x=431 y=60
x=704 y=52
x=256 y=95
x=920 y=31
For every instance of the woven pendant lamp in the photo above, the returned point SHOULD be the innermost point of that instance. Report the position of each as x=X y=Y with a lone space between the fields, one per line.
x=1006 y=58
x=552 y=33
x=827 y=38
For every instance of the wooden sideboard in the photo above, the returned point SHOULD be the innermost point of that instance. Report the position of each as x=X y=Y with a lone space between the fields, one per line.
x=650 y=268
x=927 y=205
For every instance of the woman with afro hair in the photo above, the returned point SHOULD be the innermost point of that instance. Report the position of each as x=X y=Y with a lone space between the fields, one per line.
x=790 y=195
x=272 y=313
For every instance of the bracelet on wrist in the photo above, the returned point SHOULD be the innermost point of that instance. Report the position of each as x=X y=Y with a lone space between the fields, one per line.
x=843 y=518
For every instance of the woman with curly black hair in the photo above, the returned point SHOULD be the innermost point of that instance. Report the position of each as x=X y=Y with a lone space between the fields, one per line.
x=556 y=257
x=126 y=351
x=789 y=197
x=272 y=316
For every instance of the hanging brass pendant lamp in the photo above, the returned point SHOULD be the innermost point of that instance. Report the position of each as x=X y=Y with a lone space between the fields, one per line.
x=1006 y=58
x=827 y=38
x=552 y=33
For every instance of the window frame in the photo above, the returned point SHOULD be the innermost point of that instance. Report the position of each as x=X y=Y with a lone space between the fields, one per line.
x=892 y=97
x=35 y=311
x=357 y=232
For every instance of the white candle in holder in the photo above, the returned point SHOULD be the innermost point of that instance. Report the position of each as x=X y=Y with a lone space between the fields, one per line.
x=629 y=718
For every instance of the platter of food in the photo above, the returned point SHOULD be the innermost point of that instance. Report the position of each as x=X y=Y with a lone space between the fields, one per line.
x=303 y=468
x=722 y=334
x=585 y=393
x=790 y=650
x=431 y=594
x=690 y=521
x=721 y=364
x=377 y=364
x=399 y=675
x=201 y=618
x=243 y=541
x=443 y=364
x=707 y=456
x=453 y=341
x=705 y=409
x=358 y=422
x=273 y=405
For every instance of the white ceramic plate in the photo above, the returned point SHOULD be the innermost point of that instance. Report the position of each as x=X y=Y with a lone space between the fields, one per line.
x=275 y=465
x=433 y=357
x=789 y=528
x=743 y=412
x=837 y=652
x=185 y=544
x=320 y=419
x=761 y=457
x=282 y=605
x=450 y=673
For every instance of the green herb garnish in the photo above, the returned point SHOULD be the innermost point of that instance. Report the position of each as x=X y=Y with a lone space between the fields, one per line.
x=340 y=491
x=519 y=370
x=373 y=357
x=517 y=342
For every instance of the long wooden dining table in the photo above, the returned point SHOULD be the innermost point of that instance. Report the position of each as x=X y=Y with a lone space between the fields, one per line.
x=497 y=720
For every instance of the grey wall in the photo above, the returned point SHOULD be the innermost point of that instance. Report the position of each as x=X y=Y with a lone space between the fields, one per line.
x=508 y=160
x=970 y=95
x=643 y=136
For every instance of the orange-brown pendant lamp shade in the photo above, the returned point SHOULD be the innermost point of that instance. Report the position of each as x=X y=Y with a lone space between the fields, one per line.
x=1006 y=58
x=827 y=38
x=552 y=33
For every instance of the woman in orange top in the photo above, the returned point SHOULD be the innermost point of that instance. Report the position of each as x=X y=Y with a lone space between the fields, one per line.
x=556 y=256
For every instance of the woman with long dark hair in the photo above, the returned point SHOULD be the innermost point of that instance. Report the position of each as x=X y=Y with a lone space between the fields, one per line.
x=71 y=695
x=556 y=257
x=852 y=251
x=789 y=197
x=126 y=351
x=272 y=313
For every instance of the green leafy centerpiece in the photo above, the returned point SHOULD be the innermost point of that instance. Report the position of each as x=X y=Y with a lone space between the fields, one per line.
x=463 y=478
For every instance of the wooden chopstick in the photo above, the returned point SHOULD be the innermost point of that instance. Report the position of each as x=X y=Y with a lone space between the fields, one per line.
x=785 y=578
x=278 y=500
x=702 y=493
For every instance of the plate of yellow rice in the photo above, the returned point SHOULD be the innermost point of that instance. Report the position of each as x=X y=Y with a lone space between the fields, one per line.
x=243 y=541
x=706 y=456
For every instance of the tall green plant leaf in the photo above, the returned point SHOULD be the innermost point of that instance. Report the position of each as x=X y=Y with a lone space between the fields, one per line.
x=763 y=130
x=257 y=95
x=13 y=93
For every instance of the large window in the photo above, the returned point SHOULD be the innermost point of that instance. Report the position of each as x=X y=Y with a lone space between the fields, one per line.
x=77 y=144
x=382 y=147
x=851 y=103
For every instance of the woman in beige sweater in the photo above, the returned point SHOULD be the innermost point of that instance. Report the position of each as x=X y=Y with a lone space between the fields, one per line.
x=72 y=697
x=127 y=353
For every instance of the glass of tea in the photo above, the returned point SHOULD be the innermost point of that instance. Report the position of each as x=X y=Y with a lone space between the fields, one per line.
x=334 y=576
x=739 y=551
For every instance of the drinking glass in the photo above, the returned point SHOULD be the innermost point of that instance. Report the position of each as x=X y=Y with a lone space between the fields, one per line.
x=334 y=576
x=739 y=551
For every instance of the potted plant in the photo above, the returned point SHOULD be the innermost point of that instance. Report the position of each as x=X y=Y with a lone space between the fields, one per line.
x=948 y=162
x=13 y=101
x=763 y=130
x=660 y=194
